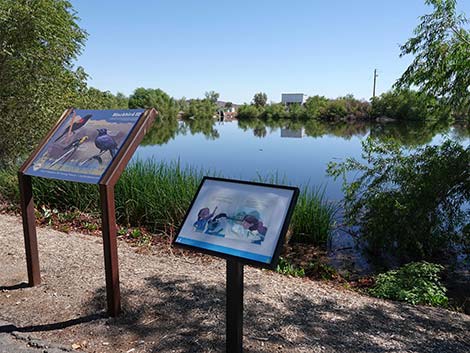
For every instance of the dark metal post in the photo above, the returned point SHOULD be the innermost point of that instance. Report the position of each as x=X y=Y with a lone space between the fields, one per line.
x=29 y=229
x=234 y=314
x=108 y=219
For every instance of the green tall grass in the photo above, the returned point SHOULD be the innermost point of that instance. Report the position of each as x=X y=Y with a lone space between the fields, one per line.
x=156 y=195
x=313 y=217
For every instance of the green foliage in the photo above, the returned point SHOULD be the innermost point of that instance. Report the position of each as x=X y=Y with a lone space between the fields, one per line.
x=441 y=50
x=414 y=283
x=93 y=98
x=212 y=96
x=285 y=267
x=9 y=184
x=320 y=270
x=410 y=204
x=316 y=107
x=166 y=106
x=313 y=218
x=405 y=104
x=200 y=109
x=156 y=195
x=247 y=112
x=39 y=41
x=260 y=99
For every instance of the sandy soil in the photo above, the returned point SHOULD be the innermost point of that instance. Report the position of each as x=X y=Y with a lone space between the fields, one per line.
x=177 y=304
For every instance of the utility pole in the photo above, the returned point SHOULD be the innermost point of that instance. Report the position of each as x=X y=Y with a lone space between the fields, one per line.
x=375 y=82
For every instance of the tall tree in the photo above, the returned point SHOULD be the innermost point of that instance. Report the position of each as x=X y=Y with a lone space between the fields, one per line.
x=212 y=96
x=166 y=106
x=441 y=46
x=260 y=99
x=39 y=41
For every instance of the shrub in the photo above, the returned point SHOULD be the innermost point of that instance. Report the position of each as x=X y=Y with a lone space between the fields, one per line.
x=414 y=283
x=285 y=267
x=409 y=204
x=405 y=104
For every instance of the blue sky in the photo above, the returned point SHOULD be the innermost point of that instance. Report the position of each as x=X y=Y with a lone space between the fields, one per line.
x=238 y=48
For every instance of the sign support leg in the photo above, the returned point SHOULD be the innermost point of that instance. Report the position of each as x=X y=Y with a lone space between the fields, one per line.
x=108 y=219
x=234 y=307
x=29 y=229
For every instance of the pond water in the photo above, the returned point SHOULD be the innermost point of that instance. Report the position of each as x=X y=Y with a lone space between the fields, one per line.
x=296 y=153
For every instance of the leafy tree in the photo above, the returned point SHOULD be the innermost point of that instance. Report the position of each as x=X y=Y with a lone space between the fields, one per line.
x=405 y=104
x=93 y=98
x=166 y=106
x=247 y=112
x=228 y=105
x=201 y=109
x=260 y=99
x=408 y=204
x=212 y=96
x=314 y=105
x=441 y=49
x=39 y=41
x=274 y=112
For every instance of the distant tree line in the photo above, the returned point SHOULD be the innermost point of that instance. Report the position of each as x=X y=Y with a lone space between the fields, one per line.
x=397 y=104
x=40 y=41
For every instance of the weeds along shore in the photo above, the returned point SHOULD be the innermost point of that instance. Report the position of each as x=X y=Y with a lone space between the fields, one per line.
x=156 y=195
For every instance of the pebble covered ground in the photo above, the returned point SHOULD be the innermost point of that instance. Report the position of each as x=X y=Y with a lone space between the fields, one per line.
x=177 y=304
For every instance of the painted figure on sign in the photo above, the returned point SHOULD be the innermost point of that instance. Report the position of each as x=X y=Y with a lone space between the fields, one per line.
x=256 y=229
x=203 y=217
x=216 y=226
x=249 y=227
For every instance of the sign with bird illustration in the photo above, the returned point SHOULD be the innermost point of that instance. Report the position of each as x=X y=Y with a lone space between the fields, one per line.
x=84 y=145
x=240 y=220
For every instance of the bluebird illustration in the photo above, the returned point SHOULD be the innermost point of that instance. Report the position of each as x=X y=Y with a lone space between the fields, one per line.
x=77 y=124
x=104 y=142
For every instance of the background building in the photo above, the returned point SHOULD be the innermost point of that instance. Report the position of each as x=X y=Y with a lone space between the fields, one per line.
x=293 y=98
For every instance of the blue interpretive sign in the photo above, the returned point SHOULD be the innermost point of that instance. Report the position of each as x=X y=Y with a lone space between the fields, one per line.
x=238 y=219
x=84 y=145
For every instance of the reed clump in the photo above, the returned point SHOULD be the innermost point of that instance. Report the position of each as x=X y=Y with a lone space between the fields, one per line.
x=156 y=195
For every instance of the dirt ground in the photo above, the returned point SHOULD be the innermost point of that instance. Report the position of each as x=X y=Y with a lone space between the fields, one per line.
x=177 y=304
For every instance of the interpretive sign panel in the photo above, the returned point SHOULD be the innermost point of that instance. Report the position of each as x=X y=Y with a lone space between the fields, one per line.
x=237 y=219
x=90 y=146
x=84 y=145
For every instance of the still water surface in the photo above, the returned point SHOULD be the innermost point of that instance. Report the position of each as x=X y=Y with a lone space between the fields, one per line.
x=298 y=153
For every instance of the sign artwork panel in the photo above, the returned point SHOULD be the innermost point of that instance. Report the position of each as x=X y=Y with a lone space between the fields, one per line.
x=84 y=145
x=239 y=219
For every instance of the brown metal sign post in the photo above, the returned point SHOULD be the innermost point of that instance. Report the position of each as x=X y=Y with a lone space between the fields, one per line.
x=106 y=188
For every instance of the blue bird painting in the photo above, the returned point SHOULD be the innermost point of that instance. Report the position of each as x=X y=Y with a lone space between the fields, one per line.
x=104 y=142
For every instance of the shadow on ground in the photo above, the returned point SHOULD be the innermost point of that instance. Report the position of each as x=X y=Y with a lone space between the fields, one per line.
x=190 y=316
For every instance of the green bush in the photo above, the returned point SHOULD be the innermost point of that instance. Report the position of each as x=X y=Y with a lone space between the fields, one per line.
x=414 y=283
x=40 y=42
x=408 y=203
x=405 y=104
x=285 y=267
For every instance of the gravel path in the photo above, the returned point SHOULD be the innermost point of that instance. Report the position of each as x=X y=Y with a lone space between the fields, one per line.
x=176 y=304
